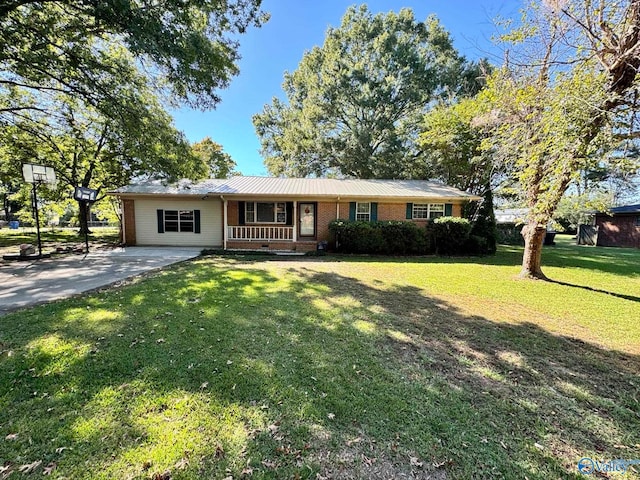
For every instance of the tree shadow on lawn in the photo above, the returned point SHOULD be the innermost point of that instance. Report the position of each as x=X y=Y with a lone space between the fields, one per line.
x=208 y=367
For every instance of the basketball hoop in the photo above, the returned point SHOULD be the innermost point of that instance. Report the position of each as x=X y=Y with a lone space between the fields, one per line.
x=38 y=175
x=88 y=196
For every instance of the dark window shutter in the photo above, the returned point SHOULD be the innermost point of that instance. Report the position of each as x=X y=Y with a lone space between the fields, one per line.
x=409 y=211
x=160 y=220
x=448 y=209
x=352 y=211
x=289 y=213
x=196 y=221
x=240 y=213
x=374 y=212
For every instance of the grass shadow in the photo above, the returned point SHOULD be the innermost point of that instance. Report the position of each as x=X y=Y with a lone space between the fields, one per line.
x=219 y=367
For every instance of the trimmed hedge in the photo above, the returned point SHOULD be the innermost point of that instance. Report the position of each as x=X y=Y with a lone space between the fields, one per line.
x=509 y=234
x=442 y=236
x=387 y=237
x=451 y=236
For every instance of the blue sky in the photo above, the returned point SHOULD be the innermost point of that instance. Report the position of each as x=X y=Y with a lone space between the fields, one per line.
x=297 y=26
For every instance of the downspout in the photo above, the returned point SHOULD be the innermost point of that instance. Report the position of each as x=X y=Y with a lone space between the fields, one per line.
x=122 y=222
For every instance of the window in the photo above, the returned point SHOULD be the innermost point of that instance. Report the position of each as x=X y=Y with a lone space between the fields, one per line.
x=638 y=221
x=265 y=212
x=179 y=220
x=427 y=210
x=363 y=211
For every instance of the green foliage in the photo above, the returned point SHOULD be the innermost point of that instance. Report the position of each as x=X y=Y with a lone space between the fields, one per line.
x=279 y=368
x=509 y=234
x=574 y=210
x=219 y=163
x=88 y=149
x=450 y=235
x=452 y=146
x=189 y=47
x=565 y=101
x=483 y=228
x=387 y=238
x=354 y=104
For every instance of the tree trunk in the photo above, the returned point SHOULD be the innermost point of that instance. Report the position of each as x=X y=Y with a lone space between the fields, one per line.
x=533 y=235
x=83 y=217
x=7 y=207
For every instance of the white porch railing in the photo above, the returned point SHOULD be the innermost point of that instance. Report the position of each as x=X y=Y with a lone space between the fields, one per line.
x=251 y=234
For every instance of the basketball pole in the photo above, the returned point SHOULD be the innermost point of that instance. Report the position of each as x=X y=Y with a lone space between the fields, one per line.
x=35 y=208
x=86 y=230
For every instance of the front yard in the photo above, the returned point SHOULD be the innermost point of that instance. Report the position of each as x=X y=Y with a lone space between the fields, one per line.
x=345 y=367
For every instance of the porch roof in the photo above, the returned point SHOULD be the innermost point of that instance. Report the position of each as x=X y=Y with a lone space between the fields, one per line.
x=300 y=188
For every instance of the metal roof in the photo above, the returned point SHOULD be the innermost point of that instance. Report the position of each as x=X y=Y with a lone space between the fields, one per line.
x=627 y=209
x=293 y=187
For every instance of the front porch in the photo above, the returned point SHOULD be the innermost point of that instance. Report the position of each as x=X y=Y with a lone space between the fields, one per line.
x=260 y=233
x=265 y=224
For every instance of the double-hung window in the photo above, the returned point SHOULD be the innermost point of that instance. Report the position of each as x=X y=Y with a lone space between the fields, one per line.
x=179 y=221
x=265 y=212
x=427 y=211
x=363 y=211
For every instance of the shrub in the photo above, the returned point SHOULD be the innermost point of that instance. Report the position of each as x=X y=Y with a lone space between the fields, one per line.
x=509 y=234
x=484 y=226
x=389 y=238
x=450 y=235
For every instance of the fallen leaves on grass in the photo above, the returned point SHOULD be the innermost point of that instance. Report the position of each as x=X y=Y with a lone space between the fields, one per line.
x=49 y=468
x=219 y=452
x=11 y=436
x=29 y=467
x=166 y=475
x=270 y=464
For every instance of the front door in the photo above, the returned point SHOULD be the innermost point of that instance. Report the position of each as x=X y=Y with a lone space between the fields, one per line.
x=307 y=219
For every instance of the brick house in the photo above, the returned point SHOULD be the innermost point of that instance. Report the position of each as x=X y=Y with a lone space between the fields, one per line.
x=273 y=213
x=620 y=227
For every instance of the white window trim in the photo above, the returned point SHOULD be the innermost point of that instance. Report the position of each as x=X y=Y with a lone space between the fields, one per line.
x=441 y=209
x=367 y=213
x=193 y=221
x=275 y=213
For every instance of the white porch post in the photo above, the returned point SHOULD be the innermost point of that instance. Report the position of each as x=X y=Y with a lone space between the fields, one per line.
x=295 y=221
x=225 y=230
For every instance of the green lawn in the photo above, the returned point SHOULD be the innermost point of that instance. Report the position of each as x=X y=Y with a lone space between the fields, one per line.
x=52 y=238
x=331 y=367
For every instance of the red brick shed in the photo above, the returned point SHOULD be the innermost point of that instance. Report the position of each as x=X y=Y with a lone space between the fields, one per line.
x=620 y=227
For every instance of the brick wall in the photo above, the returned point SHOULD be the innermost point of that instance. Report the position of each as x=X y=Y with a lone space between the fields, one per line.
x=618 y=231
x=392 y=211
x=327 y=212
x=268 y=246
x=129 y=218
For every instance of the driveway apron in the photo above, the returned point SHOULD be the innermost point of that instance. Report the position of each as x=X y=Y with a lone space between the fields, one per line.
x=38 y=281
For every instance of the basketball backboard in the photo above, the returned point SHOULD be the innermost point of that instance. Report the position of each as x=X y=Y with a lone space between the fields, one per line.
x=38 y=174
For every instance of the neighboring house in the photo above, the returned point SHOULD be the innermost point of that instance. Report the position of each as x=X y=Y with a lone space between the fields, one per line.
x=273 y=213
x=620 y=227
x=516 y=216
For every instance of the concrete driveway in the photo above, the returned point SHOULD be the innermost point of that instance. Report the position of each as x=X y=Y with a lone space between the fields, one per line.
x=32 y=282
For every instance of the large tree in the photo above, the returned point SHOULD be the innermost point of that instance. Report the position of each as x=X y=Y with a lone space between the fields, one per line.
x=87 y=149
x=354 y=104
x=219 y=163
x=189 y=48
x=567 y=95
